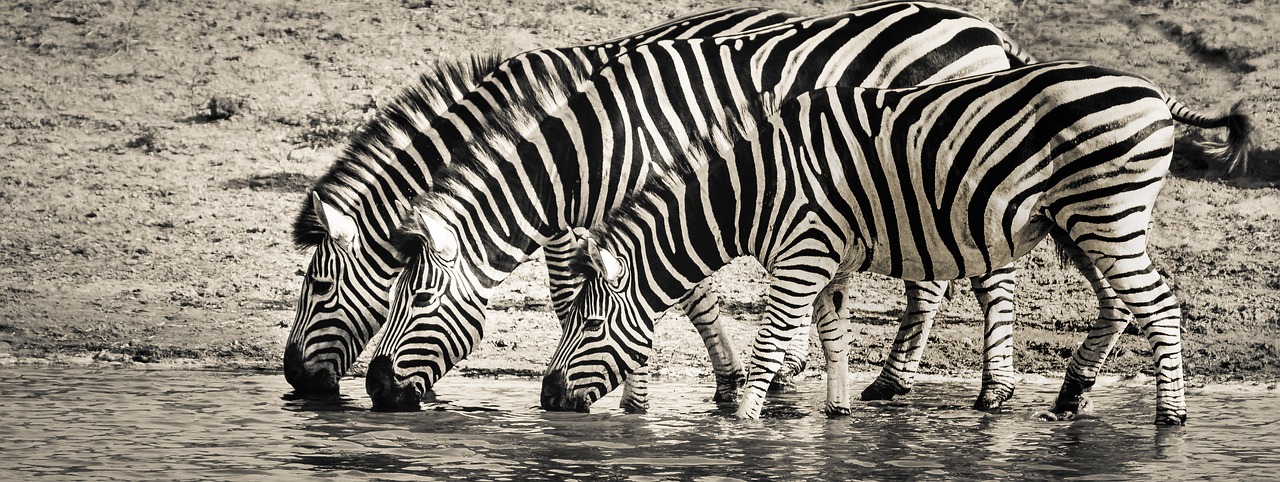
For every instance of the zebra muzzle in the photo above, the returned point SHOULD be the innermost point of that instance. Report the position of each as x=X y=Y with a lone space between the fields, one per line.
x=386 y=392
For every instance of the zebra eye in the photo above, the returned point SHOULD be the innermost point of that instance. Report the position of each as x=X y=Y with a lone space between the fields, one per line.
x=424 y=298
x=594 y=322
x=321 y=287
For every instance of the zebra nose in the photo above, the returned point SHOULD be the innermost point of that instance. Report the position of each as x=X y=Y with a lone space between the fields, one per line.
x=387 y=393
x=554 y=387
x=317 y=380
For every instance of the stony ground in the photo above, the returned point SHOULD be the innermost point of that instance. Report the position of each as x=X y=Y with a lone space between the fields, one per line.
x=152 y=155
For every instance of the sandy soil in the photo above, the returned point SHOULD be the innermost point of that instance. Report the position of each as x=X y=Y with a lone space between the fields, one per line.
x=152 y=155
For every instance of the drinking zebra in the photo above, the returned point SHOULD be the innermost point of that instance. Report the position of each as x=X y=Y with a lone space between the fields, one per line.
x=543 y=175
x=348 y=216
x=935 y=182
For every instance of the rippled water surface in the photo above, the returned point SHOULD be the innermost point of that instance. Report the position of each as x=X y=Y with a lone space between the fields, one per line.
x=95 y=423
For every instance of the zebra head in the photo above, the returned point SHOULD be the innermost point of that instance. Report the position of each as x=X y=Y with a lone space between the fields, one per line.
x=604 y=337
x=436 y=315
x=343 y=301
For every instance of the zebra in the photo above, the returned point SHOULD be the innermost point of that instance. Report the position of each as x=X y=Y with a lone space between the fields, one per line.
x=514 y=191
x=935 y=182
x=348 y=215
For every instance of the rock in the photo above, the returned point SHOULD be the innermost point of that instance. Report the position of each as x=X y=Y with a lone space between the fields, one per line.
x=225 y=106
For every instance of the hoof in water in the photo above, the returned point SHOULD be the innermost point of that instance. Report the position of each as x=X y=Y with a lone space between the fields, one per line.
x=882 y=390
x=1068 y=411
x=783 y=382
x=727 y=388
x=1177 y=419
x=1051 y=416
x=993 y=399
x=834 y=411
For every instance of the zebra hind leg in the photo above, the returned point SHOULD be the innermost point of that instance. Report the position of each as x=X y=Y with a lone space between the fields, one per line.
x=899 y=371
x=1113 y=319
x=994 y=292
x=795 y=363
x=1128 y=269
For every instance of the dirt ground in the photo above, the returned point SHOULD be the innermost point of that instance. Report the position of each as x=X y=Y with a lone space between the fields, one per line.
x=153 y=154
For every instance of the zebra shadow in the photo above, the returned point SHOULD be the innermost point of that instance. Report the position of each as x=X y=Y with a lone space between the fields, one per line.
x=274 y=182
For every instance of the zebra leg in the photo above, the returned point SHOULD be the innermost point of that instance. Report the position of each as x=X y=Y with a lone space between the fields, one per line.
x=831 y=313
x=635 y=390
x=1087 y=360
x=791 y=297
x=994 y=292
x=899 y=371
x=796 y=361
x=1128 y=269
x=702 y=305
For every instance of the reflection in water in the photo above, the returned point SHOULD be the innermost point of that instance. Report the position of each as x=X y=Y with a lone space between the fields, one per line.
x=88 y=424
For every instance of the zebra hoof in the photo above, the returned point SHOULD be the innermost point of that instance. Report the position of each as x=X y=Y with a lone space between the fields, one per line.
x=1067 y=410
x=727 y=387
x=783 y=382
x=634 y=408
x=834 y=411
x=882 y=390
x=993 y=398
x=1052 y=416
x=1177 y=419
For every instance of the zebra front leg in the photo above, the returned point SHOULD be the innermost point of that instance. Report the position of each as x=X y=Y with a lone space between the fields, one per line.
x=831 y=313
x=1087 y=360
x=994 y=292
x=899 y=371
x=635 y=390
x=791 y=297
x=702 y=306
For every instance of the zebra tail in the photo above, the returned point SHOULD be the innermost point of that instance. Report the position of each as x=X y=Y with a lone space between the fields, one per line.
x=1233 y=154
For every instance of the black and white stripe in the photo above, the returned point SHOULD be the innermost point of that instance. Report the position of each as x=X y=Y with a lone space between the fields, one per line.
x=937 y=182
x=349 y=214
x=526 y=184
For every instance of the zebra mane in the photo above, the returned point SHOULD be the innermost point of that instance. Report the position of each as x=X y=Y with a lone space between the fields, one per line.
x=372 y=149
x=498 y=140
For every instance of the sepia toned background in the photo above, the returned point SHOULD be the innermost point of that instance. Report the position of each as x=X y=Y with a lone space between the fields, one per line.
x=153 y=154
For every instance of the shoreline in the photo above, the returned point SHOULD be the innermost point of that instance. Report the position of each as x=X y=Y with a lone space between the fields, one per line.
x=857 y=377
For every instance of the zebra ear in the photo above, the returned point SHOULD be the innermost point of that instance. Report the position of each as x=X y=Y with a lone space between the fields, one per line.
x=340 y=227
x=402 y=210
x=605 y=263
x=580 y=234
x=439 y=235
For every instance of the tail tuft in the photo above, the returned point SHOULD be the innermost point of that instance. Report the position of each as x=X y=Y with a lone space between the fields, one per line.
x=1234 y=153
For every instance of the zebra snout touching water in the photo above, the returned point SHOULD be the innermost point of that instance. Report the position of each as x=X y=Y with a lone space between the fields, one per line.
x=931 y=183
x=316 y=378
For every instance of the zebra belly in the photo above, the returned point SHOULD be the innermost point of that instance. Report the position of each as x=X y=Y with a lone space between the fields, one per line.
x=939 y=256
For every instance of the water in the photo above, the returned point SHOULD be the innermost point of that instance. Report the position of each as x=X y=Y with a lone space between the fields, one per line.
x=104 y=423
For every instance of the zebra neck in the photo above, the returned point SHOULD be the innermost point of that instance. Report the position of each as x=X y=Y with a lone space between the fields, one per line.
x=674 y=236
x=493 y=245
